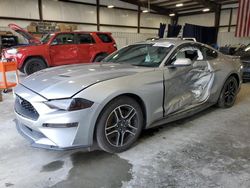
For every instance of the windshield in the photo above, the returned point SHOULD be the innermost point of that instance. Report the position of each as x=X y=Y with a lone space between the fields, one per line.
x=148 y=55
x=46 y=38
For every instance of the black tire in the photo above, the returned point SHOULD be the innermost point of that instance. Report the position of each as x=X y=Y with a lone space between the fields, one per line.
x=116 y=133
x=100 y=57
x=6 y=90
x=229 y=92
x=22 y=70
x=33 y=65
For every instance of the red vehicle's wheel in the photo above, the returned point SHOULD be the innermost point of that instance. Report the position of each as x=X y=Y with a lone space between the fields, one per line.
x=100 y=57
x=33 y=65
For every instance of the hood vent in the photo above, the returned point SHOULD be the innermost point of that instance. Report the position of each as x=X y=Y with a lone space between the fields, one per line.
x=64 y=76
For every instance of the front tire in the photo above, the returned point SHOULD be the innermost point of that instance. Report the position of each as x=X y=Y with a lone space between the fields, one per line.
x=33 y=65
x=229 y=92
x=119 y=125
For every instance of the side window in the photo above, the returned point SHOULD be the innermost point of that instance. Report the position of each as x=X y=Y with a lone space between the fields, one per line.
x=67 y=38
x=85 y=39
x=104 y=37
x=189 y=52
x=209 y=54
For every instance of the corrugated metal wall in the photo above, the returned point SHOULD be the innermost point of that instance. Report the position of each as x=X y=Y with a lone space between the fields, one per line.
x=228 y=38
x=124 y=39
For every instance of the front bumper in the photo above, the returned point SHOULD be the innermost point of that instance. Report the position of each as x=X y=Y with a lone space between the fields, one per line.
x=246 y=70
x=57 y=138
x=246 y=74
x=39 y=140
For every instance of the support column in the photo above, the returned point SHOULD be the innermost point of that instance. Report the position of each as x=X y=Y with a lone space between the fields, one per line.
x=174 y=20
x=217 y=19
x=217 y=16
x=139 y=19
x=98 y=14
x=40 y=9
x=230 y=20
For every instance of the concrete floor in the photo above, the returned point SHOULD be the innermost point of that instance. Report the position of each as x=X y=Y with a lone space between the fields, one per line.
x=210 y=149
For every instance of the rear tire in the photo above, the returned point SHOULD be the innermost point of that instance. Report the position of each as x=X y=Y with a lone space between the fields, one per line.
x=119 y=125
x=33 y=65
x=228 y=94
x=100 y=57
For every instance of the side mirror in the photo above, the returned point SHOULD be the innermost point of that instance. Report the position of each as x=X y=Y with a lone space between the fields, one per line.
x=182 y=62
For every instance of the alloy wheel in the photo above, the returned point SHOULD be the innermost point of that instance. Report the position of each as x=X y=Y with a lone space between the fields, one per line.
x=121 y=125
x=34 y=67
x=230 y=92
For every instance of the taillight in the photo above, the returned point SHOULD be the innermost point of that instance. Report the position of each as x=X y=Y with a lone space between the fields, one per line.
x=115 y=46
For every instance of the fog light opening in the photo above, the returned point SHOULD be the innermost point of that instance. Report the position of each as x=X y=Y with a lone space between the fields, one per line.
x=60 y=125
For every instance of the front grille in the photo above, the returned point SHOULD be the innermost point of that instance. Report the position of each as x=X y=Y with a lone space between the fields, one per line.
x=246 y=75
x=246 y=64
x=25 y=108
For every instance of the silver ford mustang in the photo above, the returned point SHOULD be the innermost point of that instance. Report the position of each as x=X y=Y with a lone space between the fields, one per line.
x=138 y=87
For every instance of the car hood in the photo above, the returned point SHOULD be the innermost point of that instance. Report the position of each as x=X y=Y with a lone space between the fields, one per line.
x=24 y=33
x=66 y=81
x=24 y=46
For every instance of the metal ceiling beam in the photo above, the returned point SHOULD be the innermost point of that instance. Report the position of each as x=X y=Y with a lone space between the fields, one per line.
x=158 y=9
x=171 y=3
x=229 y=2
x=212 y=5
x=193 y=8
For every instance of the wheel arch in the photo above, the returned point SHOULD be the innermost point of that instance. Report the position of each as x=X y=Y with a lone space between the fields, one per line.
x=140 y=102
x=236 y=76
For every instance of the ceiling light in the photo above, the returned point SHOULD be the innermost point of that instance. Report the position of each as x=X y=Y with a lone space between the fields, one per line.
x=145 y=11
x=171 y=15
x=179 y=5
x=111 y=6
x=148 y=8
x=206 y=10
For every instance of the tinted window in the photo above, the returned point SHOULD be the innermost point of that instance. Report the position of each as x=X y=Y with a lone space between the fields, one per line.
x=46 y=38
x=85 y=39
x=104 y=37
x=64 y=39
x=209 y=54
x=148 y=55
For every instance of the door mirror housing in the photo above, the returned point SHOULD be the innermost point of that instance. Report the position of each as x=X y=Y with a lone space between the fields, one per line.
x=182 y=62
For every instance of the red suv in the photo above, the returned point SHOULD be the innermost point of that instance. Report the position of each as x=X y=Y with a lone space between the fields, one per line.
x=59 y=48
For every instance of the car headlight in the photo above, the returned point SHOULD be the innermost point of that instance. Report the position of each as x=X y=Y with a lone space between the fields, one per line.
x=69 y=104
x=12 y=51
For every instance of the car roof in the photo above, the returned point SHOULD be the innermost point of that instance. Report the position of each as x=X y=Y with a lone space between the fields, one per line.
x=167 y=41
x=100 y=32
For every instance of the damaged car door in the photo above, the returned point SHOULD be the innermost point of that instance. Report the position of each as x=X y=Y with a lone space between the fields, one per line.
x=187 y=79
